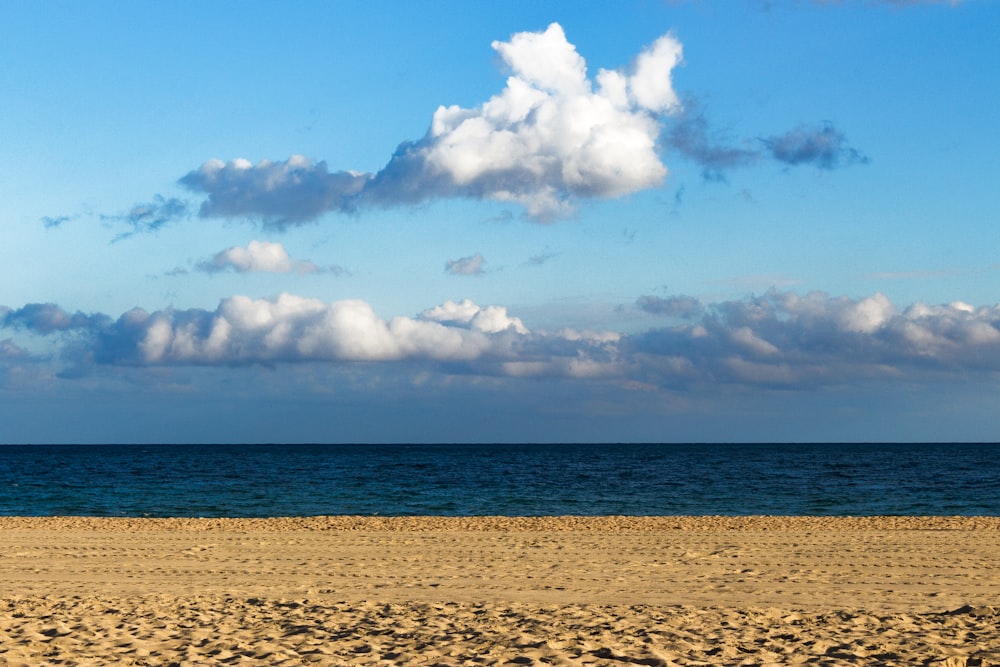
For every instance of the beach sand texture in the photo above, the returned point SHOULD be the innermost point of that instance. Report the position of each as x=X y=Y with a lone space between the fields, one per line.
x=501 y=591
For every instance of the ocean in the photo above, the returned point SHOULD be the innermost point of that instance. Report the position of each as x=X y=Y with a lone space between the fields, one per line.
x=499 y=479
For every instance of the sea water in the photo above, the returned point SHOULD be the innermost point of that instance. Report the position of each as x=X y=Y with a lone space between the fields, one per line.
x=501 y=479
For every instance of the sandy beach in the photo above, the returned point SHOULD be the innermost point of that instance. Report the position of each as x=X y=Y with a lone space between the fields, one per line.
x=498 y=591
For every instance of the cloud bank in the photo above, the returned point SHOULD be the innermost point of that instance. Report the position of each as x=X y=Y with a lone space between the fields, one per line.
x=780 y=339
x=287 y=328
x=787 y=340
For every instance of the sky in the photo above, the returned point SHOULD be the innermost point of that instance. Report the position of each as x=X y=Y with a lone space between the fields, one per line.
x=655 y=221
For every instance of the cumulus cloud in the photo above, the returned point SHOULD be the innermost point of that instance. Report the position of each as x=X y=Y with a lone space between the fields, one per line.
x=454 y=337
x=491 y=319
x=285 y=328
x=779 y=339
x=290 y=328
x=257 y=257
x=551 y=136
x=466 y=266
x=823 y=146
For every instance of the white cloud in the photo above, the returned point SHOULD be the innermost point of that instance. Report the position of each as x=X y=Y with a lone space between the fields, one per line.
x=548 y=138
x=866 y=315
x=545 y=61
x=257 y=256
x=491 y=319
x=452 y=312
x=494 y=319
x=651 y=87
x=294 y=328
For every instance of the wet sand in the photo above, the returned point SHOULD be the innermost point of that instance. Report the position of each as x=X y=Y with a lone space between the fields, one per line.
x=495 y=591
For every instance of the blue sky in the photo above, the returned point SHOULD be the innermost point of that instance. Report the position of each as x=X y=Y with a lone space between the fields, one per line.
x=441 y=221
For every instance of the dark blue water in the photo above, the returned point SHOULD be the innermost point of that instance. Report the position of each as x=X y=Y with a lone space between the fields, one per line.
x=512 y=480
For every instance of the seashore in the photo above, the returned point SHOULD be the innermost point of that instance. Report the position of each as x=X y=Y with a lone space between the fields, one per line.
x=501 y=591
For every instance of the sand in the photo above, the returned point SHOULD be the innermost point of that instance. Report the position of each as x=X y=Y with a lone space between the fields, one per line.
x=501 y=591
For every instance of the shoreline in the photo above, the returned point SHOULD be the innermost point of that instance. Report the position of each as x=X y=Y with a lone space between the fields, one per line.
x=600 y=523
x=500 y=590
